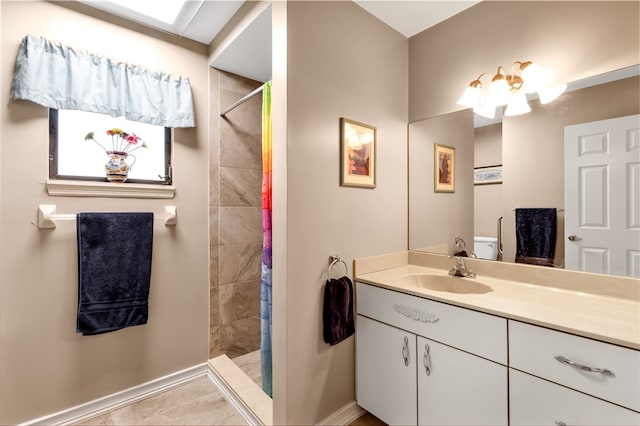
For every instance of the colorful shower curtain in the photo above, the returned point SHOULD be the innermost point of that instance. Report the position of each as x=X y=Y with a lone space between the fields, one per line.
x=265 y=279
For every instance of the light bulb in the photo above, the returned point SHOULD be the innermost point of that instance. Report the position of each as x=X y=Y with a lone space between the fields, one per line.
x=534 y=77
x=499 y=89
x=549 y=94
x=517 y=105
x=471 y=96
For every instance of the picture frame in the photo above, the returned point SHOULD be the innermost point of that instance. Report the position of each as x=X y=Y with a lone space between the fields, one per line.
x=444 y=167
x=358 y=155
x=487 y=175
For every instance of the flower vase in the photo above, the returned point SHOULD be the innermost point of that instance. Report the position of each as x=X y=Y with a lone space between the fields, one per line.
x=117 y=168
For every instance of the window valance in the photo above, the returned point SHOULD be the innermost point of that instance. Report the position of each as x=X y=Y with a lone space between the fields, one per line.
x=58 y=77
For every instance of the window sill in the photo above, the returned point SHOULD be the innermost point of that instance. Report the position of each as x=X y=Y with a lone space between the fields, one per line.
x=70 y=188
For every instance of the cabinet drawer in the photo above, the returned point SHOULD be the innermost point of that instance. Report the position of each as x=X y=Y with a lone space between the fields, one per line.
x=534 y=401
x=533 y=349
x=481 y=334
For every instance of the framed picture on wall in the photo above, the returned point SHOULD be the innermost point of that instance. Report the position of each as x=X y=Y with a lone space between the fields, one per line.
x=487 y=175
x=357 y=154
x=444 y=168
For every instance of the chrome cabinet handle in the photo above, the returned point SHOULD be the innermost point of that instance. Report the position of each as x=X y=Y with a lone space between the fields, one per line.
x=427 y=360
x=574 y=238
x=405 y=351
x=582 y=367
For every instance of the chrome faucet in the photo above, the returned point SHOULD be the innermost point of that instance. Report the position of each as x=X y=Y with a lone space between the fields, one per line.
x=459 y=268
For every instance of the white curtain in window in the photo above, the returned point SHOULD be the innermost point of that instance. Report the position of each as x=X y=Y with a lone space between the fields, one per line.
x=58 y=77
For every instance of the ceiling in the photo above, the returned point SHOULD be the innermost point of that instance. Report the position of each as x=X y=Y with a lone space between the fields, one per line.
x=249 y=54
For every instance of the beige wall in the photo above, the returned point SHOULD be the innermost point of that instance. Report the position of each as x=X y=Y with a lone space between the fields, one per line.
x=45 y=365
x=487 y=199
x=453 y=217
x=576 y=39
x=341 y=62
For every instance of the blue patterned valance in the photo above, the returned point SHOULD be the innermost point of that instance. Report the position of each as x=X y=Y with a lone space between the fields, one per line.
x=58 y=77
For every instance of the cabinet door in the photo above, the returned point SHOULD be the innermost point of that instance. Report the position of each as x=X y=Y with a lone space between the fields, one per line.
x=538 y=402
x=386 y=371
x=458 y=388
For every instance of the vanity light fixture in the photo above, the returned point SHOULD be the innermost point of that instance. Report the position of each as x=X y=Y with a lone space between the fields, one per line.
x=511 y=89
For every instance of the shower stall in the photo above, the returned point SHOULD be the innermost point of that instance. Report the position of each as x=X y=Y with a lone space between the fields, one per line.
x=235 y=219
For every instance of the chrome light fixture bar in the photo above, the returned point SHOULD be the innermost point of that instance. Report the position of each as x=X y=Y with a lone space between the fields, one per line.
x=511 y=90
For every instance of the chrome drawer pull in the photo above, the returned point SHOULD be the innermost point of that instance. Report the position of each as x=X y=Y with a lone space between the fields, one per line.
x=427 y=360
x=405 y=351
x=584 y=367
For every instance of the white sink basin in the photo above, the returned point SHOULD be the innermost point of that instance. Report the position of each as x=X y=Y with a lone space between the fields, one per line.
x=447 y=283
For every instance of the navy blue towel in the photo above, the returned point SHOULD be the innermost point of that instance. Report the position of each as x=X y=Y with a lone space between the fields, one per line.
x=114 y=270
x=536 y=236
x=337 y=315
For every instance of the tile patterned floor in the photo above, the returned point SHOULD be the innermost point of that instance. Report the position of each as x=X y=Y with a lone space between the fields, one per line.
x=195 y=403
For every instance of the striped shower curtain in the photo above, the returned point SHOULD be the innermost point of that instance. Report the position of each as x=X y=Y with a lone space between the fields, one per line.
x=265 y=279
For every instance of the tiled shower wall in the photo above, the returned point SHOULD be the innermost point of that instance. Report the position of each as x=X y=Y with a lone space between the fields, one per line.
x=235 y=178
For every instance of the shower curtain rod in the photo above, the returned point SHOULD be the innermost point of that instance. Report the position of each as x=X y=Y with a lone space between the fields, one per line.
x=243 y=100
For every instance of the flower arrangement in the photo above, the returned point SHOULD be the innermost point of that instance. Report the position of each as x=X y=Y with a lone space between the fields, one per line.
x=121 y=141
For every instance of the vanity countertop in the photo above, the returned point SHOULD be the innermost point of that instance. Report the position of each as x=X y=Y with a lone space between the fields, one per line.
x=610 y=319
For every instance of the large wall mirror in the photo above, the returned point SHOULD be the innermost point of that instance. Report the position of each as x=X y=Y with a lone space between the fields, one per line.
x=524 y=160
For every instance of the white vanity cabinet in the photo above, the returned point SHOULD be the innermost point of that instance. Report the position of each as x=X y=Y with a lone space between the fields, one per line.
x=386 y=371
x=556 y=378
x=423 y=362
x=458 y=388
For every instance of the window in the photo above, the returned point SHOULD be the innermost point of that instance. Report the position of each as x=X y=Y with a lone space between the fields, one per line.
x=71 y=157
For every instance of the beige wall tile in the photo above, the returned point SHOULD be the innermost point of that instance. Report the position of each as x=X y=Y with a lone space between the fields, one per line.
x=214 y=306
x=214 y=342
x=235 y=229
x=240 y=138
x=240 y=187
x=236 y=83
x=239 y=301
x=214 y=221
x=240 y=263
x=214 y=185
x=241 y=336
x=240 y=225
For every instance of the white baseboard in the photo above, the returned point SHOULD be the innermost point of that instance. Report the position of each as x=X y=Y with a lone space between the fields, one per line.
x=343 y=416
x=123 y=398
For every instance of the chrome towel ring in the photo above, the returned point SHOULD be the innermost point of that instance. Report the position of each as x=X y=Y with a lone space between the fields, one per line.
x=333 y=261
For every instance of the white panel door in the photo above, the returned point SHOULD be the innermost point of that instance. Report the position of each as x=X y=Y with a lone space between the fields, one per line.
x=386 y=372
x=458 y=388
x=602 y=196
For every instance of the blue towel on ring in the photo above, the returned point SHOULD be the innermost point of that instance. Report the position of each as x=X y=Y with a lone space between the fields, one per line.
x=114 y=270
